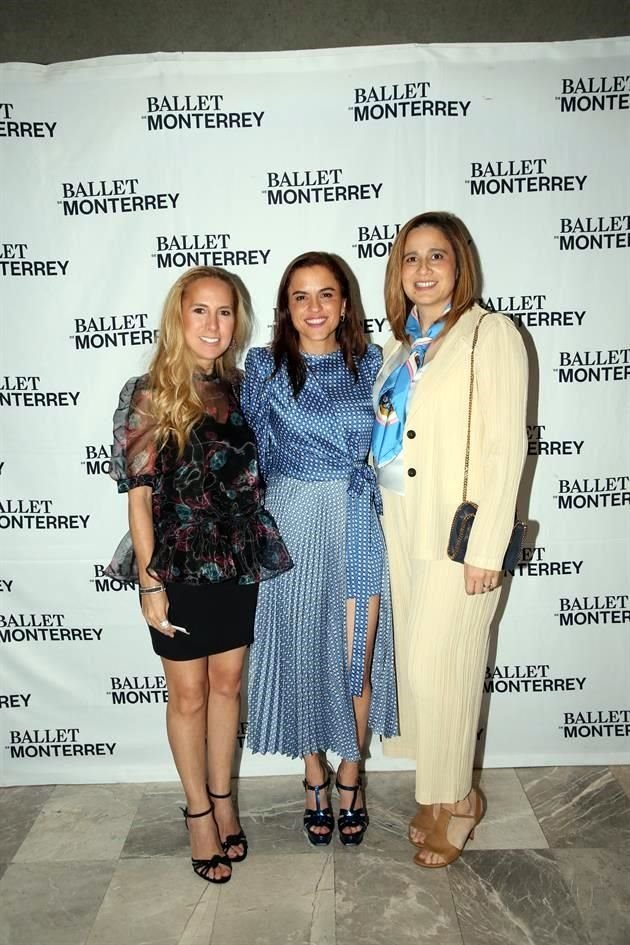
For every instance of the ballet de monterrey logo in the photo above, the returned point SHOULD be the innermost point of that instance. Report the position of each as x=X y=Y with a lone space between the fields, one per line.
x=321 y=185
x=598 y=492
x=98 y=459
x=595 y=609
x=137 y=690
x=609 y=232
x=55 y=743
x=596 y=723
x=404 y=100
x=112 y=331
x=531 y=677
x=522 y=176
x=104 y=584
x=539 y=444
x=184 y=250
x=15 y=260
x=12 y=125
x=580 y=367
x=207 y=112
x=37 y=514
x=44 y=628
x=15 y=700
x=534 y=563
x=595 y=93
x=24 y=390
x=375 y=240
x=114 y=195
x=534 y=311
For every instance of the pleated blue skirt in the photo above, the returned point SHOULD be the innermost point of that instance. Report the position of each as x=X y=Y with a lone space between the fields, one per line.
x=299 y=690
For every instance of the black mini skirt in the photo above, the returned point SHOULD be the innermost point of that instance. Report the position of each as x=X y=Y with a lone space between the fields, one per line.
x=218 y=617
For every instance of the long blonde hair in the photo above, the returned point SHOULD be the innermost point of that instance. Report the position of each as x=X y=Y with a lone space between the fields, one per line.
x=175 y=403
x=397 y=305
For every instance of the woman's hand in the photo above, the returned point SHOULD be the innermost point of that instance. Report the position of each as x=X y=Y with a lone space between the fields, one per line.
x=479 y=581
x=155 y=612
x=155 y=604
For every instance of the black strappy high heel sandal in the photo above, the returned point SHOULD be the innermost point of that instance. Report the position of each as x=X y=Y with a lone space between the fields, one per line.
x=233 y=839
x=321 y=817
x=352 y=817
x=203 y=867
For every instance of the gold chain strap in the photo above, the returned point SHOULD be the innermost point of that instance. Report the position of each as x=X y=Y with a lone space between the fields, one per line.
x=470 y=401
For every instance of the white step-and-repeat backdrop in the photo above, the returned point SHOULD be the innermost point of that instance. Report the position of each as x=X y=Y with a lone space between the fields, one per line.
x=120 y=173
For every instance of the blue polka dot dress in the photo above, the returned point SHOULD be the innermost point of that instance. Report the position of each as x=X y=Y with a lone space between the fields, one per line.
x=325 y=501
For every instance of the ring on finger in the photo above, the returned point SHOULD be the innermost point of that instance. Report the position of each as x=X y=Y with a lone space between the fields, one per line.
x=163 y=624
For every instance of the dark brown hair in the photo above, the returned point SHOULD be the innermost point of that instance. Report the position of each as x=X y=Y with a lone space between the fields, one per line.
x=286 y=343
x=397 y=305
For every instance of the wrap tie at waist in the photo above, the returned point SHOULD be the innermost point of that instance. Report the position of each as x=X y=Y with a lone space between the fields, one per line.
x=363 y=495
x=361 y=476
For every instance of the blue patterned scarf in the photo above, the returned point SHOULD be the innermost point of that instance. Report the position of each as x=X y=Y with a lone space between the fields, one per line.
x=387 y=433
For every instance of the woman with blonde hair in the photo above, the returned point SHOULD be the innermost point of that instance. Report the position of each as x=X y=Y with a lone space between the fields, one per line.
x=199 y=541
x=440 y=412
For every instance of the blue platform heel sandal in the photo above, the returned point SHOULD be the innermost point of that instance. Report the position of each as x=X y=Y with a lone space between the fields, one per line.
x=352 y=817
x=202 y=867
x=320 y=817
x=234 y=839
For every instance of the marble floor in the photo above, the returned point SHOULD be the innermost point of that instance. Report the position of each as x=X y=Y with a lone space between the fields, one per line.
x=108 y=865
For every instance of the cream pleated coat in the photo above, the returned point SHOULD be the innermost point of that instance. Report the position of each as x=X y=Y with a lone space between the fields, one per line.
x=441 y=633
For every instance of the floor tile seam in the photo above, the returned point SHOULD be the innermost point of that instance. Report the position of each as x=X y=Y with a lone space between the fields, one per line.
x=548 y=840
x=40 y=858
x=117 y=863
x=88 y=936
x=574 y=900
x=455 y=912
x=316 y=892
x=217 y=901
x=44 y=863
x=568 y=894
x=617 y=780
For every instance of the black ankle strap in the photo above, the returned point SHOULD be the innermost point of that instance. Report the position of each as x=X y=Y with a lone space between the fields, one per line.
x=204 y=813
x=316 y=787
x=220 y=796
x=355 y=791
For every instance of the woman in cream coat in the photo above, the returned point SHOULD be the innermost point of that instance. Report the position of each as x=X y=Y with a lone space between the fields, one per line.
x=443 y=610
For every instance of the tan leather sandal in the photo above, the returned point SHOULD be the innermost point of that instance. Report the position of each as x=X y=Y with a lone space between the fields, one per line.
x=437 y=842
x=422 y=820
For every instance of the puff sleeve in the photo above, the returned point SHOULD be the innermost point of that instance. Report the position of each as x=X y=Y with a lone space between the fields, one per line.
x=255 y=401
x=134 y=452
x=374 y=360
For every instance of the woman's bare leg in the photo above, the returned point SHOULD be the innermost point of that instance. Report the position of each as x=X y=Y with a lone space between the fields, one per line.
x=187 y=683
x=316 y=773
x=224 y=704
x=349 y=770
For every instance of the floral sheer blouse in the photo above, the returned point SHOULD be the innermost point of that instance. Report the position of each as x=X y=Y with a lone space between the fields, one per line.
x=208 y=518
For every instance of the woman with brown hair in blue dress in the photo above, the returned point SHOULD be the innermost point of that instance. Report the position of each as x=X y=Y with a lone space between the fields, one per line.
x=321 y=668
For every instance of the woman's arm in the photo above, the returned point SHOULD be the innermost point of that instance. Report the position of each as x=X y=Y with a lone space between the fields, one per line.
x=499 y=418
x=155 y=605
x=255 y=399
